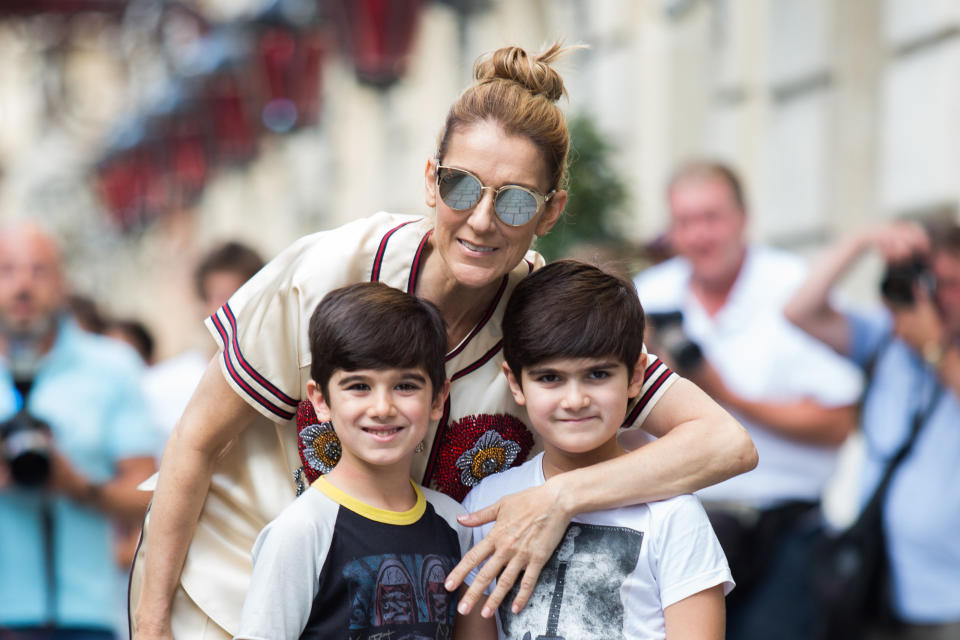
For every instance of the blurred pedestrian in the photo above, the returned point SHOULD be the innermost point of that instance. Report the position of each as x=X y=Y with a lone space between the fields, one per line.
x=168 y=384
x=133 y=333
x=912 y=346
x=716 y=310
x=73 y=451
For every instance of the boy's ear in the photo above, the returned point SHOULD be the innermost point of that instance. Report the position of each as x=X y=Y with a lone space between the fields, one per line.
x=436 y=407
x=636 y=380
x=320 y=406
x=515 y=389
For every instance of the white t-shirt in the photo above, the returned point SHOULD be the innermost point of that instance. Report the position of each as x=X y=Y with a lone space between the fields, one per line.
x=761 y=357
x=168 y=386
x=620 y=567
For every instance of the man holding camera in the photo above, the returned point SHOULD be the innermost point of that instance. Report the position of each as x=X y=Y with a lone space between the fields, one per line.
x=716 y=311
x=74 y=444
x=912 y=349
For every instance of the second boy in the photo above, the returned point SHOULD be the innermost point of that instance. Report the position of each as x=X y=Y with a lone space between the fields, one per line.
x=573 y=345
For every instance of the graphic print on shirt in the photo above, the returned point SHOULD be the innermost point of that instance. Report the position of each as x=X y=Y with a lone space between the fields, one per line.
x=401 y=595
x=578 y=593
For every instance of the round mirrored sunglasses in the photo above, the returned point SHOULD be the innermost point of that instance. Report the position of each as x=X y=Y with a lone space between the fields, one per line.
x=515 y=205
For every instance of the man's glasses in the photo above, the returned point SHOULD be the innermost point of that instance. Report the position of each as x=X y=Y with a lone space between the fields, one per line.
x=515 y=205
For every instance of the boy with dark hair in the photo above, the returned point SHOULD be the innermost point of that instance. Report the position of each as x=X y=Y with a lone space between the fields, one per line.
x=364 y=552
x=573 y=346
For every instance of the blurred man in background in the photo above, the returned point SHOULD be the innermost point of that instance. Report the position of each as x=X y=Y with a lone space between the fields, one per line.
x=73 y=447
x=169 y=384
x=912 y=349
x=716 y=309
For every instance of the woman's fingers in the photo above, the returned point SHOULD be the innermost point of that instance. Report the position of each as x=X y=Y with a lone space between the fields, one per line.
x=529 y=525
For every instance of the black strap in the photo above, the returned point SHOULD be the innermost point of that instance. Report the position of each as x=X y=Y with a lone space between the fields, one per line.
x=920 y=418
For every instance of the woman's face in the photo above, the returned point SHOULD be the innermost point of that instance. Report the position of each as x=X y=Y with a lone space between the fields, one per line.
x=476 y=247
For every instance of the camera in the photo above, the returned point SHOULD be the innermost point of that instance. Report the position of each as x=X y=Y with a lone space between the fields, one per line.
x=684 y=352
x=900 y=279
x=25 y=448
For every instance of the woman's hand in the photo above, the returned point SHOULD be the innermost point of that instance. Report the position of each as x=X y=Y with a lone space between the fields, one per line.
x=529 y=526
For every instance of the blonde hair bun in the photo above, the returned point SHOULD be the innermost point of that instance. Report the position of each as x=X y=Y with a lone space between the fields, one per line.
x=514 y=64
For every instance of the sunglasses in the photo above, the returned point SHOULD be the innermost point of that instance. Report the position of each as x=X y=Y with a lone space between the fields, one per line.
x=515 y=205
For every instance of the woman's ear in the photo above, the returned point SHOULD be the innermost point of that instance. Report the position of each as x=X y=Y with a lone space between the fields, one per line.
x=551 y=213
x=320 y=406
x=430 y=182
x=515 y=389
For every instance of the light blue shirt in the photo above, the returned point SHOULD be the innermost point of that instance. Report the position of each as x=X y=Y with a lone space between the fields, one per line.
x=922 y=510
x=87 y=389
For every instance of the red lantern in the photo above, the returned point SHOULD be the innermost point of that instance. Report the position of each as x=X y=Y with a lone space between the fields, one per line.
x=380 y=36
x=133 y=187
x=234 y=137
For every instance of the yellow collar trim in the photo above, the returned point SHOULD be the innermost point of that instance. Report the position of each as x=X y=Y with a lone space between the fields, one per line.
x=385 y=516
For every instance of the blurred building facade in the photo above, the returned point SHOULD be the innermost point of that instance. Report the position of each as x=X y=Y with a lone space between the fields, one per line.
x=836 y=113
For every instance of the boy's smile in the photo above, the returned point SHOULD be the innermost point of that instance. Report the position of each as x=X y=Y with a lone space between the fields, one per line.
x=380 y=415
x=577 y=404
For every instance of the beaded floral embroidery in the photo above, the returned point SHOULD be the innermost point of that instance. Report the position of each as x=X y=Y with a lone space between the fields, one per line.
x=475 y=447
x=317 y=442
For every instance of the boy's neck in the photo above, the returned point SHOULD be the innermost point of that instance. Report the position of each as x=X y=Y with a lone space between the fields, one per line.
x=383 y=487
x=557 y=461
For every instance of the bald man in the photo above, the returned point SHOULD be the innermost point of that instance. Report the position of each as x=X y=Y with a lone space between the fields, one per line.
x=73 y=447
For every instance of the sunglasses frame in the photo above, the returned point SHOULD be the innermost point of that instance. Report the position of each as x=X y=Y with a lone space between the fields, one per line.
x=540 y=198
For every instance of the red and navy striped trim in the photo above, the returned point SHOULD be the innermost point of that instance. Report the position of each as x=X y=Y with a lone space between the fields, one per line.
x=415 y=266
x=238 y=378
x=483 y=322
x=246 y=365
x=650 y=392
x=479 y=363
x=442 y=427
x=378 y=259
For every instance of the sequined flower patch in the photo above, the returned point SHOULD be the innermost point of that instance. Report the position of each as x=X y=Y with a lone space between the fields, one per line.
x=475 y=447
x=317 y=442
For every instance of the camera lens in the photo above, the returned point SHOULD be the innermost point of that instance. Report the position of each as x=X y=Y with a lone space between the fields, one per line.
x=26 y=449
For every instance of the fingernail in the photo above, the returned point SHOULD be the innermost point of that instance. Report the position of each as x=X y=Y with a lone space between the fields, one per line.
x=515 y=609
x=486 y=613
x=462 y=608
x=448 y=585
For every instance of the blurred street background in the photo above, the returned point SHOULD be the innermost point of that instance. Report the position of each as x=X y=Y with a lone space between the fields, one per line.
x=143 y=131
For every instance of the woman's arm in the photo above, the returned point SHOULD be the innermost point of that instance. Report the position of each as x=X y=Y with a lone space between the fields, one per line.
x=699 y=444
x=702 y=616
x=810 y=308
x=214 y=417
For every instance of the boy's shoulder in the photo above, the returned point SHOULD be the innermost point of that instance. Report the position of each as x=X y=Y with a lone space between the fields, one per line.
x=307 y=510
x=661 y=516
x=511 y=480
x=445 y=506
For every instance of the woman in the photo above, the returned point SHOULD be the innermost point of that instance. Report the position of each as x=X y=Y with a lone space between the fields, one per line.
x=495 y=182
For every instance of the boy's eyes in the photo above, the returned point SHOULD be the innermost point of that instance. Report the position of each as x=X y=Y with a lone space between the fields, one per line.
x=400 y=386
x=547 y=378
x=552 y=378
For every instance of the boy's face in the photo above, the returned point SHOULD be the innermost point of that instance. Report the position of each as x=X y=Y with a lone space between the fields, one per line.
x=577 y=404
x=380 y=415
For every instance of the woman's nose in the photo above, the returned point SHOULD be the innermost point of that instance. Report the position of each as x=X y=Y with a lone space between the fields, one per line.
x=482 y=216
